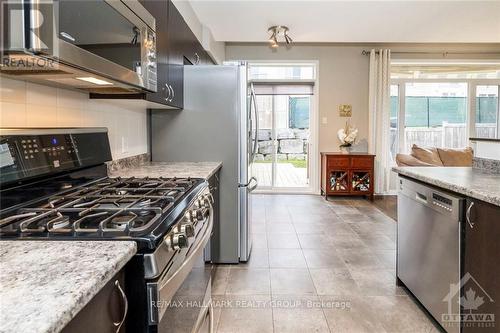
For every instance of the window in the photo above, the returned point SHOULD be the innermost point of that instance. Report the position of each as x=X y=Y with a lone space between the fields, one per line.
x=443 y=104
x=486 y=124
x=282 y=72
x=299 y=112
x=435 y=114
x=394 y=133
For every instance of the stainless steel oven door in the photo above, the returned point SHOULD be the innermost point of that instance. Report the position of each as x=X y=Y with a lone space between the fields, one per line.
x=190 y=309
x=181 y=295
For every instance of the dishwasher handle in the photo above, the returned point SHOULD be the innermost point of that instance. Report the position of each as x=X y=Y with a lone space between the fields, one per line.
x=422 y=198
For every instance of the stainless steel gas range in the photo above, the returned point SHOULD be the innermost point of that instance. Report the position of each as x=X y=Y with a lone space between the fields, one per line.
x=54 y=186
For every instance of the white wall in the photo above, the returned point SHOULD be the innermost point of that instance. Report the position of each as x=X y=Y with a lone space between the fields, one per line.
x=24 y=104
x=343 y=79
x=343 y=74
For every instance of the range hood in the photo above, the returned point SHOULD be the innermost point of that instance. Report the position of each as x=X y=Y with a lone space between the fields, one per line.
x=57 y=74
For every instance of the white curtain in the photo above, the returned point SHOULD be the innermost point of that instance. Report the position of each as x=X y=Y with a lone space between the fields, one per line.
x=379 y=116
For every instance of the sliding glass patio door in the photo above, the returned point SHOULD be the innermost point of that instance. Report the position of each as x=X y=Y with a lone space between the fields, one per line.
x=287 y=135
x=282 y=162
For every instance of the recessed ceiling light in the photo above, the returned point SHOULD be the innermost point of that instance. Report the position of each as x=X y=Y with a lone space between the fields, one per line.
x=94 y=80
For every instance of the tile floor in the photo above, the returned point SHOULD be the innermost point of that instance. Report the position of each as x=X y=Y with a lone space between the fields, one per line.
x=316 y=266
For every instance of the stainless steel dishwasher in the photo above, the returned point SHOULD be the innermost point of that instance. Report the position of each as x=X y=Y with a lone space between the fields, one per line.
x=428 y=249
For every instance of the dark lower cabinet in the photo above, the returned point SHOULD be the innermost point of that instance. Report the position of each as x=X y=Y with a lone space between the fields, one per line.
x=105 y=313
x=481 y=268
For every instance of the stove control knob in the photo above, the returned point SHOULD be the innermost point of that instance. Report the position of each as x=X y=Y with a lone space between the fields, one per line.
x=177 y=241
x=204 y=201
x=200 y=214
x=187 y=229
x=201 y=203
x=209 y=198
x=190 y=216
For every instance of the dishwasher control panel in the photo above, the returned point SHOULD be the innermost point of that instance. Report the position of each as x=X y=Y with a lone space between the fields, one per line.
x=442 y=202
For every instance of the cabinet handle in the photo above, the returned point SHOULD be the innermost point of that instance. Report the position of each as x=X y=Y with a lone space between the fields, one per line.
x=467 y=215
x=168 y=93
x=119 y=324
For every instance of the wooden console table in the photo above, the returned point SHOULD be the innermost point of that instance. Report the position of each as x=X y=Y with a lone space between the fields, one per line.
x=347 y=174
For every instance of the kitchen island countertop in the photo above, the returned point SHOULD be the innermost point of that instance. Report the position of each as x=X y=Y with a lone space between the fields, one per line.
x=471 y=182
x=44 y=284
x=170 y=169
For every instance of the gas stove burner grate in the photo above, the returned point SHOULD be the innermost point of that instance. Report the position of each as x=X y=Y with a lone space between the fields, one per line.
x=111 y=207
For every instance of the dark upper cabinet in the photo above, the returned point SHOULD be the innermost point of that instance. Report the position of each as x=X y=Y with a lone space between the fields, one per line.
x=160 y=11
x=176 y=40
x=193 y=51
x=176 y=46
x=169 y=46
x=482 y=262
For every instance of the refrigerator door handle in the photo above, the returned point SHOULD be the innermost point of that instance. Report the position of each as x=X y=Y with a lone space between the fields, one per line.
x=255 y=144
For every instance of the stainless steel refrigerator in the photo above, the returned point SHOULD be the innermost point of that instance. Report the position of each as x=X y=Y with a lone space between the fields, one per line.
x=218 y=123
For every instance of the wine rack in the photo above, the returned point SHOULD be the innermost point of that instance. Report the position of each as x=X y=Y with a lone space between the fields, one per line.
x=347 y=174
x=339 y=181
x=360 y=181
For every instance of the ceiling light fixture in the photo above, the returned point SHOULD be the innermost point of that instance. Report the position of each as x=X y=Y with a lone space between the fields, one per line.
x=276 y=31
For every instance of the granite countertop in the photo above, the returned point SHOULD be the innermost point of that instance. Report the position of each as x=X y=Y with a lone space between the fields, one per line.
x=170 y=169
x=470 y=182
x=43 y=284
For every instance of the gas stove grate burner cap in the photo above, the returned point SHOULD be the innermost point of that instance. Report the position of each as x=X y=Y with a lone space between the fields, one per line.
x=59 y=222
x=121 y=222
x=144 y=204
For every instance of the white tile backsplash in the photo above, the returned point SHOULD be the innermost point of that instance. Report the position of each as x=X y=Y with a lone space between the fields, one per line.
x=37 y=94
x=25 y=104
x=13 y=91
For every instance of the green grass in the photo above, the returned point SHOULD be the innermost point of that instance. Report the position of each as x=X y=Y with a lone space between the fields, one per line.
x=295 y=163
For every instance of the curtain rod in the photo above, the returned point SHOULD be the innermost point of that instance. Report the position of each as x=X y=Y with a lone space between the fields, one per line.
x=444 y=53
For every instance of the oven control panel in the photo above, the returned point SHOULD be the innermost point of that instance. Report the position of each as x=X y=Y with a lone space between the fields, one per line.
x=30 y=155
x=40 y=150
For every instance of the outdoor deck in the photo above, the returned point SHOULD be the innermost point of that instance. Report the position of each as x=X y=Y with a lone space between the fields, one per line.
x=287 y=175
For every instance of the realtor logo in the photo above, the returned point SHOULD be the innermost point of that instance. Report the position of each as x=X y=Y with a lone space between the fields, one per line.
x=26 y=31
x=472 y=299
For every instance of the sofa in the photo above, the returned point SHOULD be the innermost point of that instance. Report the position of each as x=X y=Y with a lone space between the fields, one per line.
x=432 y=157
